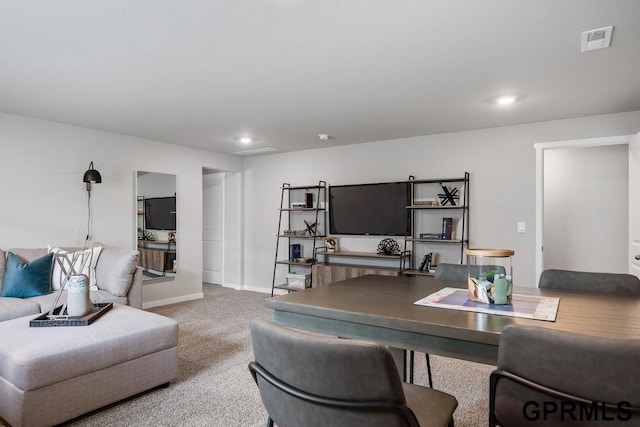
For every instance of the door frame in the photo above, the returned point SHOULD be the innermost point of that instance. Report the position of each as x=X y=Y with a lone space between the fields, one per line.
x=540 y=148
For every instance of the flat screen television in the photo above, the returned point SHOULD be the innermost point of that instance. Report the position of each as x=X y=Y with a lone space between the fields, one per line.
x=369 y=209
x=160 y=213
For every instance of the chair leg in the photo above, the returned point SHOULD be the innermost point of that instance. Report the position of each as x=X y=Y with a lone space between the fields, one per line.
x=411 y=358
x=269 y=422
x=429 y=372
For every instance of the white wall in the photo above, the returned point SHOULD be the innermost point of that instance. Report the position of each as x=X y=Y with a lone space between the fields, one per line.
x=44 y=198
x=586 y=208
x=501 y=162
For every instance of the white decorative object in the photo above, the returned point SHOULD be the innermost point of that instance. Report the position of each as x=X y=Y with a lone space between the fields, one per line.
x=84 y=262
x=78 y=301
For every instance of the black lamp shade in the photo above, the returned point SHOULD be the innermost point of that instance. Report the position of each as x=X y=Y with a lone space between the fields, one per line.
x=92 y=175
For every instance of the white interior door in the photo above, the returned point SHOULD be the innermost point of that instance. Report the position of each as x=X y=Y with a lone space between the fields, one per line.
x=634 y=205
x=212 y=242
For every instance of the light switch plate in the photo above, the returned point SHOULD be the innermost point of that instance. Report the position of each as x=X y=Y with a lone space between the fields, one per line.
x=521 y=227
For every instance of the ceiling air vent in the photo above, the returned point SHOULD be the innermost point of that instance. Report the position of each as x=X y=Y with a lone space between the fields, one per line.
x=599 y=38
x=254 y=152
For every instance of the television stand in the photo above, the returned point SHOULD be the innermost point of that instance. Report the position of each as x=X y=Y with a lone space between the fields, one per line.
x=157 y=255
x=327 y=272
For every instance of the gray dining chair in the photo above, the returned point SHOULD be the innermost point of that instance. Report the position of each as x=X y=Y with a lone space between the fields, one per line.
x=313 y=380
x=451 y=273
x=460 y=272
x=552 y=378
x=619 y=284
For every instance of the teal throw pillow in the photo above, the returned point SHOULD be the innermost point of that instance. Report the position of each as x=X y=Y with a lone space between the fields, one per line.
x=24 y=280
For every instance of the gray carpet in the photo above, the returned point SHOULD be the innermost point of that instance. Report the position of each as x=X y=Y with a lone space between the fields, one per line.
x=214 y=387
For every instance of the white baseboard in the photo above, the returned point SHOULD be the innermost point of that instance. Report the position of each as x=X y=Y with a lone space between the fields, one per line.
x=183 y=298
x=258 y=289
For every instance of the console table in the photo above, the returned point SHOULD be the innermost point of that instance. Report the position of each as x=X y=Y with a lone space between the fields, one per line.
x=157 y=255
x=327 y=272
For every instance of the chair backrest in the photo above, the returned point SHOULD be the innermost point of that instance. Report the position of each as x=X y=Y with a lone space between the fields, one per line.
x=311 y=380
x=460 y=272
x=537 y=366
x=452 y=272
x=619 y=284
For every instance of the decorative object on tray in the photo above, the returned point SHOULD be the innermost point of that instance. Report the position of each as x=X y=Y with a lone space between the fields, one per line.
x=70 y=264
x=331 y=243
x=449 y=195
x=388 y=246
x=59 y=317
x=78 y=309
x=490 y=275
x=78 y=301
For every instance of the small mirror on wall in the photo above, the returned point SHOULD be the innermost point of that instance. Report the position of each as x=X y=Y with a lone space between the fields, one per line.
x=156 y=234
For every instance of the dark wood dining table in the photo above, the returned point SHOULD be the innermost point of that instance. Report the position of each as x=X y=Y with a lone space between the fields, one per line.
x=381 y=308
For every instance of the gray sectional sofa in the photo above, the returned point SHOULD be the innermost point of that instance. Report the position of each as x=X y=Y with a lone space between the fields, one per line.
x=51 y=375
x=118 y=280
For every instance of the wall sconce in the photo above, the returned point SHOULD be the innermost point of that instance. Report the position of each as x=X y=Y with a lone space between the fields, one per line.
x=91 y=176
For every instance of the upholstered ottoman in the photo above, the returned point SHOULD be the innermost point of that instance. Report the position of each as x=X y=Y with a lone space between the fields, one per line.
x=53 y=374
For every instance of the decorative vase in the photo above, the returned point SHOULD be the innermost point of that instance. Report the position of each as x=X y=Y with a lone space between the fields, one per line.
x=78 y=301
x=490 y=275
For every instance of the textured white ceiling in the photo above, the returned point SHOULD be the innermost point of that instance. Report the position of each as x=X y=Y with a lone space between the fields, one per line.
x=201 y=72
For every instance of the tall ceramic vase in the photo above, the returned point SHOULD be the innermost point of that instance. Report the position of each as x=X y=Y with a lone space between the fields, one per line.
x=78 y=301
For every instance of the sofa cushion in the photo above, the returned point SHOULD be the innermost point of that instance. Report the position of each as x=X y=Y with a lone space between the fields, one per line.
x=114 y=272
x=26 y=279
x=29 y=254
x=88 y=269
x=11 y=308
x=26 y=254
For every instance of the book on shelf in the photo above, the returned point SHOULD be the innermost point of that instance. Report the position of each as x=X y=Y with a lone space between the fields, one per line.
x=431 y=236
x=447 y=228
x=295 y=251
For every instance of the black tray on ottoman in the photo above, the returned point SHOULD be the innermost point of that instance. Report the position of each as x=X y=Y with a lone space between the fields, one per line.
x=97 y=310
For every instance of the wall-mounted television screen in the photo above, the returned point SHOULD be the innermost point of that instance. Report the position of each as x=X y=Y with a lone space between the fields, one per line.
x=160 y=213
x=369 y=209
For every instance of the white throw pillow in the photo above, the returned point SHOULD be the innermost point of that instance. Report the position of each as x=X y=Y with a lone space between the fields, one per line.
x=85 y=263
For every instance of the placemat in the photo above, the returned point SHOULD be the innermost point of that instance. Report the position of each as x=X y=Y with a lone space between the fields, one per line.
x=526 y=306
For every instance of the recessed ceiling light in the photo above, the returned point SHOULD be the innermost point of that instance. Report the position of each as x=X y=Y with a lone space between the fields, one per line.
x=506 y=99
x=245 y=139
x=324 y=136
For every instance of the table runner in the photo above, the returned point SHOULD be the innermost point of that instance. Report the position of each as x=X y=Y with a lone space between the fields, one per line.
x=525 y=306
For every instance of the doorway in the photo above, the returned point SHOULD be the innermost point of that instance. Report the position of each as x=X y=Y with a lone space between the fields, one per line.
x=222 y=227
x=212 y=232
x=579 y=197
